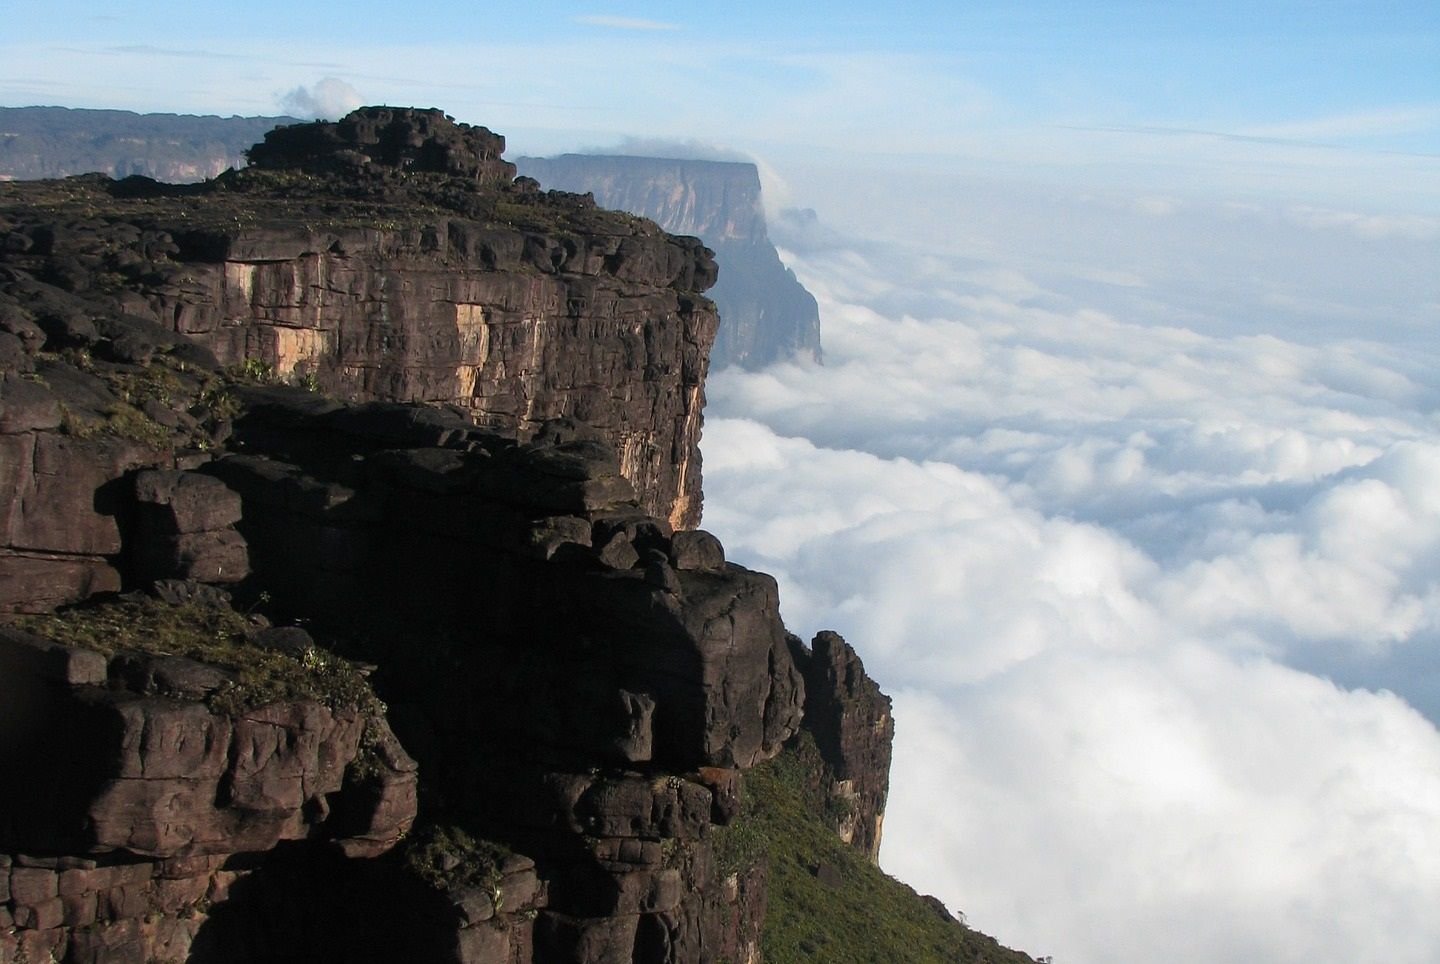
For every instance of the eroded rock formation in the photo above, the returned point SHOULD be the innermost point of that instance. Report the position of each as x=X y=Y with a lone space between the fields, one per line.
x=219 y=391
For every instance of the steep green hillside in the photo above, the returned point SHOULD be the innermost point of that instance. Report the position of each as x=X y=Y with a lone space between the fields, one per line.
x=826 y=901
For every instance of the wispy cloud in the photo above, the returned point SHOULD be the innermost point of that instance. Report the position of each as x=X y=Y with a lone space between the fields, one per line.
x=1411 y=226
x=1379 y=122
x=149 y=50
x=1296 y=135
x=686 y=149
x=626 y=23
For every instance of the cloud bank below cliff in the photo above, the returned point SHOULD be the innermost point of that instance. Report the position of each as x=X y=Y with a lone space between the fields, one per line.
x=1150 y=569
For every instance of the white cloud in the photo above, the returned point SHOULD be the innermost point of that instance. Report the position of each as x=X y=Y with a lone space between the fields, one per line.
x=1080 y=766
x=1157 y=206
x=626 y=23
x=1100 y=807
x=329 y=98
x=1139 y=575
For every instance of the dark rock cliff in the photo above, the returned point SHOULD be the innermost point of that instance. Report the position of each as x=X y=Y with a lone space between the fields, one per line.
x=315 y=671
x=767 y=315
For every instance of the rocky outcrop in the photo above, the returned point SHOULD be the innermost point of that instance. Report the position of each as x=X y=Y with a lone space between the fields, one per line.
x=854 y=731
x=388 y=680
x=766 y=315
x=124 y=755
x=131 y=804
x=418 y=141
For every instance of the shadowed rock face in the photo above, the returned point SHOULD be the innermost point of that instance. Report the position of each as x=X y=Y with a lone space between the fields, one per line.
x=576 y=680
x=766 y=315
x=568 y=671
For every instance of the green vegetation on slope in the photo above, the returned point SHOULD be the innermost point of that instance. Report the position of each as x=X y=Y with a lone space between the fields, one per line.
x=862 y=915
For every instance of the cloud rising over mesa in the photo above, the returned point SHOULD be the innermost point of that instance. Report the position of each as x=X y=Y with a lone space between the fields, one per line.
x=329 y=98
x=1152 y=573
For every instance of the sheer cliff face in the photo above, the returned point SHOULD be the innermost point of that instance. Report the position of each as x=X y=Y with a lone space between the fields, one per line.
x=518 y=328
x=714 y=200
x=766 y=314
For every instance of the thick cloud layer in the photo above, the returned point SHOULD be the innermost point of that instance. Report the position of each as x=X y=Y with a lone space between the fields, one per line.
x=1156 y=587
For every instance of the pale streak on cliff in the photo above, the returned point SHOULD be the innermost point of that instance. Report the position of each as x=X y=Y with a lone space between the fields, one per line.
x=473 y=327
x=683 y=508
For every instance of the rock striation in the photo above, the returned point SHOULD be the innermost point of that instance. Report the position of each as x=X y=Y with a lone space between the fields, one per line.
x=350 y=502
x=768 y=316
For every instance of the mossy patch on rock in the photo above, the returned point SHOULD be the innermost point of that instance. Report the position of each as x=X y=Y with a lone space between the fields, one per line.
x=450 y=859
x=217 y=636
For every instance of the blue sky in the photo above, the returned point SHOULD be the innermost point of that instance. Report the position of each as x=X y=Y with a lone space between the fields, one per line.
x=1036 y=82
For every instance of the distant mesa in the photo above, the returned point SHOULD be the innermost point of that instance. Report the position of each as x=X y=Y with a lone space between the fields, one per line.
x=767 y=315
x=46 y=142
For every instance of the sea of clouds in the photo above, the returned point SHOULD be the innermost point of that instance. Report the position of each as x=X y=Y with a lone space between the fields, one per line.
x=1141 y=530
